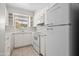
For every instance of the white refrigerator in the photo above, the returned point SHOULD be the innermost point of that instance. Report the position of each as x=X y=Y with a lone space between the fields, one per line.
x=58 y=26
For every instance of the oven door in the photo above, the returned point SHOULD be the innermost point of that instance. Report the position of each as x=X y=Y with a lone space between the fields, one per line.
x=36 y=42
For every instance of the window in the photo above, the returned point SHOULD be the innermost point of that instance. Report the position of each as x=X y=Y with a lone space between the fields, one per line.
x=21 y=21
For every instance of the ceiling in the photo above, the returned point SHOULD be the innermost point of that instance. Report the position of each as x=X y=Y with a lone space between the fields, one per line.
x=29 y=6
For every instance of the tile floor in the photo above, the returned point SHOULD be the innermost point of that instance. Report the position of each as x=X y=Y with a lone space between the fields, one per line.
x=24 y=51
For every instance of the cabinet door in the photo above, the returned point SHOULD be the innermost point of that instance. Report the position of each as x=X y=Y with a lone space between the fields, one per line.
x=27 y=39
x=18 y=40
x=58 y=14
x=23 y=39
x=7 y=46
x=57 y=42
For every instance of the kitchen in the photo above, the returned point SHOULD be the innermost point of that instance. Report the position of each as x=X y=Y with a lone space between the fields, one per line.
x=39 y=29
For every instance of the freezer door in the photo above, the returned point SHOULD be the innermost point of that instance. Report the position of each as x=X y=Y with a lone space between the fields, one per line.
x=57 y=42
x=58 y=14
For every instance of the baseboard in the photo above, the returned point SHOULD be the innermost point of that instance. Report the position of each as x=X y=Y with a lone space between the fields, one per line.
x=23 y=46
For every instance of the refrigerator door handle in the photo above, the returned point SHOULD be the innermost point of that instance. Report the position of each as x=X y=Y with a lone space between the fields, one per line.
x=50 y=25
x=50 y=28
x=43 y=35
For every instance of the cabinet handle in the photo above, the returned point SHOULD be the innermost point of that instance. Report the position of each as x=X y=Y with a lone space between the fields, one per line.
x=50 y=25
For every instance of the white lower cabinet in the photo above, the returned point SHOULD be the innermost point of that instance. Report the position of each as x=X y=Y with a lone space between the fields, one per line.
x=7 y=45
x=22 y=39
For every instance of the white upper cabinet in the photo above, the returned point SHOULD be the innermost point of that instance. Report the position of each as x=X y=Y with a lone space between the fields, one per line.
x=39 y=17
x=58 y=14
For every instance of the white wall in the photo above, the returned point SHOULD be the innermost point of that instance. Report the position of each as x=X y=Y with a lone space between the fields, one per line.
x=23 y=38
x=18 y=10
x=2 y=28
